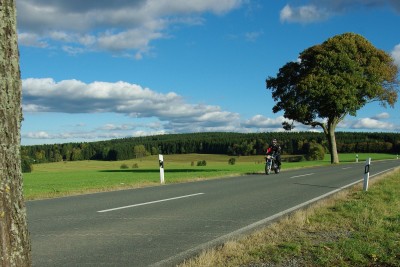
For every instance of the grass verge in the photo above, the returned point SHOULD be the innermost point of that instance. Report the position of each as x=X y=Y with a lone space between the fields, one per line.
x=351 y=228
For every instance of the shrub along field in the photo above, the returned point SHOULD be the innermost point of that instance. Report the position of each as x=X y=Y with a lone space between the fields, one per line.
x=50 y=180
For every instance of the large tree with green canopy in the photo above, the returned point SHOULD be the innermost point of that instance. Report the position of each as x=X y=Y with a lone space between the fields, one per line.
x=332 y=80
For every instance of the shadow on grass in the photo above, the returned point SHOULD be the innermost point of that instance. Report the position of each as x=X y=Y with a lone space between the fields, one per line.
x=167 y=171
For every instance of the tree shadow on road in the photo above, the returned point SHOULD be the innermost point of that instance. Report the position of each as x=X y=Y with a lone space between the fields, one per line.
x=166 y=171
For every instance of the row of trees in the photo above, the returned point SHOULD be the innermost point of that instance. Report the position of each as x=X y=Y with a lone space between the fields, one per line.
x=236 y=144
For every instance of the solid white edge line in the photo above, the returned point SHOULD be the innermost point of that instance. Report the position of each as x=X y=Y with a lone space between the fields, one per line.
x=148 y=203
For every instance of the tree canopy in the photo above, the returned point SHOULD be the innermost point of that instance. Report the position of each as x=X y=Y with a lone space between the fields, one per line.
x=332 y=80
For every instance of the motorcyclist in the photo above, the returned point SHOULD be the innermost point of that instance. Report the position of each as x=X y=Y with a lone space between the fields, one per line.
x=275 y=149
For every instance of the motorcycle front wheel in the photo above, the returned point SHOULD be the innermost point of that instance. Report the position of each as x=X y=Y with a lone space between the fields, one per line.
x=267 y=170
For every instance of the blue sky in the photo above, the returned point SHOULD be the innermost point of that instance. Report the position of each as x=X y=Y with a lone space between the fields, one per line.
x=94 y=70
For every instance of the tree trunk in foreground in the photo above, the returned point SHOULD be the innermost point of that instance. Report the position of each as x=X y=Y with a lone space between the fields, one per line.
x=15 y=249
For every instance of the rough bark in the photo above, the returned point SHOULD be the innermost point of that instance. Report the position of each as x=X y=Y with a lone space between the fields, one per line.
x=332 y=146
x=15 y=249
x=329 y=131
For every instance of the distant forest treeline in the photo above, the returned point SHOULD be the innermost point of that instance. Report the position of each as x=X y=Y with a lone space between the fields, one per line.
x=235 y=144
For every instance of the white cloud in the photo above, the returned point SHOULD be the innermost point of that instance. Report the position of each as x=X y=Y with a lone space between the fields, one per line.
x=37 y=135
x=113 y=127
x=116 y=26
x=31 y=39
x=317 y=10
x=73 y=50
x=33 y=108
x=107 y=131
x=372 y=124
x=379 y=122
x=396 y=55
x=381 y=116
x=150 y=112
x=137 y=38
x=73 y=96
x=260 y=121
x=303 y=14
x=42 y=135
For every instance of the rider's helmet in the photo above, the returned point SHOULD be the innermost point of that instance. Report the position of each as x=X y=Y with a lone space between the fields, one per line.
x=274 y=142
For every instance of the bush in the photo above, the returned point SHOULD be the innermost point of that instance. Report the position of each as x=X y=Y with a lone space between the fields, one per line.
x=232 y=161
x=26 y=166
x=135 y=166
x=202 y=163
x=316 y=152
x=124 y=166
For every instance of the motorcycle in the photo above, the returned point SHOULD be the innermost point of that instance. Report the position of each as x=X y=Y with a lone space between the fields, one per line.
x=271 y=165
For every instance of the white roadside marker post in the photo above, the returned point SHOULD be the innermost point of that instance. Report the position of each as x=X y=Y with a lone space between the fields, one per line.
x=357 y=158
x=161 y=162
x=366 y=174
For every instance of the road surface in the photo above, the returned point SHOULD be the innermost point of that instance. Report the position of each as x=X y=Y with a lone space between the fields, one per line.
x=162 y=225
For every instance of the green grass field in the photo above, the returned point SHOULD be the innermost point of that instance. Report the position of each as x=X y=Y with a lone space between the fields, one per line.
x=78 y=177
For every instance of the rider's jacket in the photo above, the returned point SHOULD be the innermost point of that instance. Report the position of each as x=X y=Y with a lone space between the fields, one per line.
x=274 y=149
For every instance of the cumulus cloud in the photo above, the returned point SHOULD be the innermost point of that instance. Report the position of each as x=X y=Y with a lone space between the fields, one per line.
x=37 y=135
x=375 y=123
x=303 y=14
x=113 y=127
x=260 y=121
x=73 y=96
x=42 y=135
x=317 y=10
x=381 y=116
x=116 y=26
x=31 y=39
x=107 y=131
x=369 y=123
x=396 y=55
x=378 y=122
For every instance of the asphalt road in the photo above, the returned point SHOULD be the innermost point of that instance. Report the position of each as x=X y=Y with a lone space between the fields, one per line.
x=162 y=225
